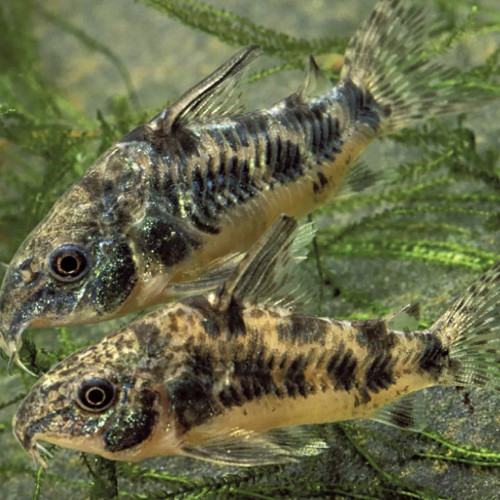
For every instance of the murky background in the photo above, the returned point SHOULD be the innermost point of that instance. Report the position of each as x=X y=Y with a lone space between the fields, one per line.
x=163 y=58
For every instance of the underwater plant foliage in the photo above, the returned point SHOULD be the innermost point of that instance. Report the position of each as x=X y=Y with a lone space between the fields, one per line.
x=74 y=79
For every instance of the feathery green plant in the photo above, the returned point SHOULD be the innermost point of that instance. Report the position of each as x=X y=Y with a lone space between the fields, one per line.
x=430 y=227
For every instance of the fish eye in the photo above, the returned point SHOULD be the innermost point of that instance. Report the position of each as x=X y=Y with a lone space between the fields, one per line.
x=96 y=394
x=68 y=263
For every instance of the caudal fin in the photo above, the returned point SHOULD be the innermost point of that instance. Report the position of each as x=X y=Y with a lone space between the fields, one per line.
x=470 y=330
x=388 y=59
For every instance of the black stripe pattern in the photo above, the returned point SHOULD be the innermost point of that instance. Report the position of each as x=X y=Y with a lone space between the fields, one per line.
x=225 y=163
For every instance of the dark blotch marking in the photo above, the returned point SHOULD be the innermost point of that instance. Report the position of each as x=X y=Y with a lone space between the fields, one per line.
x=322 y=179
x=146 y=332
x=235 y=322
x=150 y=337
x=402 y=418
x=191 y=399
x=247 y=188
x=254 y=379
x=132 y=425
x=284 y=159
x=202 y=194
x=233 y=178
x=204 y=226
x=340 y=369
x=169 y=193
x=116 y=280
x=230 y=138
x=211 y=327
x=163 y=236
x=191 y=394
x=229 y=397
x=242 y=135
x=434 y=356
x=295 y=381
x=374 y=335
x=304 y=328
x=363 y=398
x=379 y=374
x=187 y=142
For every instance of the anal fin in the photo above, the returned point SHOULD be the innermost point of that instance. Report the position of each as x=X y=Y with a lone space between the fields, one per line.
x=406 y=413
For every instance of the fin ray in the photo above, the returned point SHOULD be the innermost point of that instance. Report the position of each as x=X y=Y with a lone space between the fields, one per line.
x=406 y=413
x=248 y=448
x=470 y=329
x=215 y=273
x=387 y=58
x=216 y=95
x=268 y=274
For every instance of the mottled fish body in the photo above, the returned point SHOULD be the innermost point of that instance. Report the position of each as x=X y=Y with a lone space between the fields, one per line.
x=170 y=208
x=230 y=377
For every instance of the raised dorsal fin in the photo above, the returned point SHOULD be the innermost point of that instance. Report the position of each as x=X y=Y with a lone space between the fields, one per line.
x=268 y=274
x=216 y=95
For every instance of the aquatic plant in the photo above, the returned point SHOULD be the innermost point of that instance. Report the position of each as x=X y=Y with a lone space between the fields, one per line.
x=429 y=226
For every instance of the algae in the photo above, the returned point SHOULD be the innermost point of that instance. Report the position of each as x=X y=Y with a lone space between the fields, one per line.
x=74 y=78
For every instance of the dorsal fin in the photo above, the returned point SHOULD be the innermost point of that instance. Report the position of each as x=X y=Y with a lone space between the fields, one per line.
x=268 y=274
x=314 y=83
x=217 y=94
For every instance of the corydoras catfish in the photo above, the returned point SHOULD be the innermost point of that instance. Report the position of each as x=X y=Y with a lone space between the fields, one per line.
x=231 y=376
x=164 y=210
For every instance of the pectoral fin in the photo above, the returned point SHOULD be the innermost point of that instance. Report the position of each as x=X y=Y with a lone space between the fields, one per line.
x=268 y=275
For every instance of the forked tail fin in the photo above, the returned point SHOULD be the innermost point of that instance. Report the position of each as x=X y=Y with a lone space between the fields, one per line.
x=388 y=60
x=470 y=331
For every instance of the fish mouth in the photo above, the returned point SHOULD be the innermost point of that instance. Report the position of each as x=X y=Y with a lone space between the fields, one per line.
x=29 y=443
x=9 y=343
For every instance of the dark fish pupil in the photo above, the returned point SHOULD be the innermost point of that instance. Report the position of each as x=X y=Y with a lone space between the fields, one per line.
x=96 y=396
x=69 y=264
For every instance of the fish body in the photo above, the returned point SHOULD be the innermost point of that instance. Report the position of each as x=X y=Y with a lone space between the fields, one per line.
x=172 y=206
x=230 y=377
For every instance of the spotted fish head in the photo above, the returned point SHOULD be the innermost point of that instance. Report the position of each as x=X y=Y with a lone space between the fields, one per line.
x=77 y=265
x=96 y=400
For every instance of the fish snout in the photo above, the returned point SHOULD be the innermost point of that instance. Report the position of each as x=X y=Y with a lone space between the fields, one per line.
x=26 y=434
x=11 y=328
